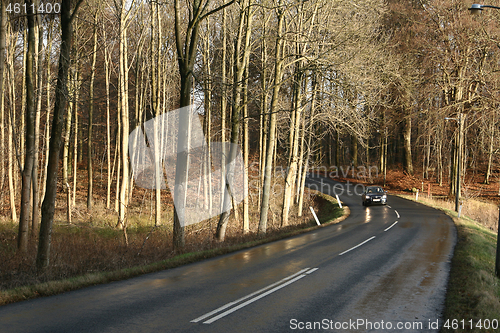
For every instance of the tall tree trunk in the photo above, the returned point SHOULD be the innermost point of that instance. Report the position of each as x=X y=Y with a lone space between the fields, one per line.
x=108 y=123
x=155 y=96
x=66 y=144
x=263 y=117
x=294 y=148
x=3 y=37
x=75 y=149
x=124 y=116
x=428 y=156
x=408 y=163
x=43 y=255
x=490 y=153
x=186 y=56
x=223 y=102
x=22 y=240
x=307 y=151
x=246 y=153
x=90 y=176
x=48 y=107
x=293 y=177
x=11 y=146
x=240 y=60
x=271 y=140
x=35 y=177
x=207 y=165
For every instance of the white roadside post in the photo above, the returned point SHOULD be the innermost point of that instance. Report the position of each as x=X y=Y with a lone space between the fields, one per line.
x=314 y=214
x=338 y=200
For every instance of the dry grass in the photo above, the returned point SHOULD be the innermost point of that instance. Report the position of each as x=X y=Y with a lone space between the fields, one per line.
x=92 y=250
x=484 y=213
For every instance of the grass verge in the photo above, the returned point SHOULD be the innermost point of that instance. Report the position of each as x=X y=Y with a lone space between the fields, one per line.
x=473 y=294
x=330 y=213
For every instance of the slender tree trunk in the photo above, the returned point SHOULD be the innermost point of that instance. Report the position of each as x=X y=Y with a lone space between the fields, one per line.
x=155 y=96
x=48 y=107
x=408 y=165
x=490 y=154
x=27 y=173
x=3 y=38
x=207 y=165
x=186 y=56
x=337 y=147
x=240 y=60
x=66 y=144
x=48 y=205
x=223 y=102
x=309 y=142
x=108 y=124
x=246 y=153
x=35 y=177
x=278 y=73
x=90 y=176
x=75 y=152
x=428 y=161
x=263 y=117
x=11 y=147
x=294 y=149
x=123 y=87
x=21 y=145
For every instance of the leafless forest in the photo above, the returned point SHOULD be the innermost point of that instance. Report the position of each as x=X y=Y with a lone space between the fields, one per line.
x=297 y=84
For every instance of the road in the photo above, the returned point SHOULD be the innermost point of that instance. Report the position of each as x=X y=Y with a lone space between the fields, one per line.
x=383 y=268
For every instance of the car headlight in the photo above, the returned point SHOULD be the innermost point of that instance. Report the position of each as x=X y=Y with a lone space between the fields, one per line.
x=384 y=196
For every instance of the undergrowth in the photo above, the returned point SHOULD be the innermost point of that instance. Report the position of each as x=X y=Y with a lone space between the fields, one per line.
x=90 y=252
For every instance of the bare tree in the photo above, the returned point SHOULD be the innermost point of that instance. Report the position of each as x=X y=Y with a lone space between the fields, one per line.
x=241 y=55
x=186 y=54
x=67 y=16
x=27 y=173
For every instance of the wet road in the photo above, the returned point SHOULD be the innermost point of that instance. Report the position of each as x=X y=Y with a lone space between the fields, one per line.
x=384 y=268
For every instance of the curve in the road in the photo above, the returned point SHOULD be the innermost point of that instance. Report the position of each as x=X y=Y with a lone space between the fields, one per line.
x=382 y=264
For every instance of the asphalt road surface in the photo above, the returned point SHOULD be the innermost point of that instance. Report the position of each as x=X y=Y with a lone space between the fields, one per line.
x=384 y=268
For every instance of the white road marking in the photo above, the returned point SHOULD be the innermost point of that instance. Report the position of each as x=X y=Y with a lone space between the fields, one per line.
x=389 y=206
x=312 y=270
x=253 y=299
x=352 y=248
x=392 y=225
x=293 y=277
x=397 y=214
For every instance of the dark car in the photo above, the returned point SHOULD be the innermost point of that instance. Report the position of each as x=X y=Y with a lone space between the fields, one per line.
x=374 y=194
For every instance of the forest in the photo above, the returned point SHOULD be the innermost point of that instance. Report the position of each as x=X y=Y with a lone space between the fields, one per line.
x=291 y=86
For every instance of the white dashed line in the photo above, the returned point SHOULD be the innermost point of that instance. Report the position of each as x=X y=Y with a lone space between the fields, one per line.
x=352 y=248
x=397 y=214
x=392 y=225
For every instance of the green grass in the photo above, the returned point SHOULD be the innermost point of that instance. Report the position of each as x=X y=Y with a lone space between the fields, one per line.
x=473 y=293
x=329 y=213
x=473 y=289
